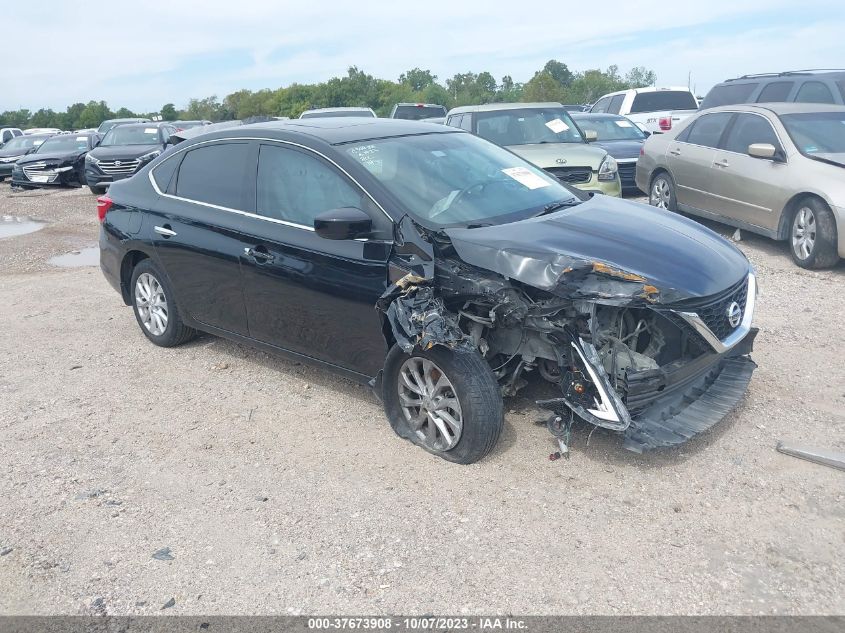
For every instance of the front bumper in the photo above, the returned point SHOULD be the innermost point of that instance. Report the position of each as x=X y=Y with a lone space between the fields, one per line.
x=627 y=175
x=49 y=178
x=6 y=169
x=96 y=178
x=839 y=214
x=607 y=187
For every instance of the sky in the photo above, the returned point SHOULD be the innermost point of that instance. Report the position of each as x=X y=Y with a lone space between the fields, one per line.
x=143 y=55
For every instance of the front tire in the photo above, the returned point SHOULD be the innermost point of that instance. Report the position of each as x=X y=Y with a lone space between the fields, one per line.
x=812 y=235
x=662 y=192
x=97 y=191
x=155 y=307
x=446 y=401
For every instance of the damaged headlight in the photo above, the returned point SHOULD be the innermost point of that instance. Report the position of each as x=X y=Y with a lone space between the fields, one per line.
x=148 y=157
x=608 y=168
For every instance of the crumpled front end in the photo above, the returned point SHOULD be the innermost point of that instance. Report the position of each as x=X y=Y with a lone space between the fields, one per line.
x=656 y=364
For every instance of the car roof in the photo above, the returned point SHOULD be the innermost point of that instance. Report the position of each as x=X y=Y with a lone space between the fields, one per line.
x=340 y=109
x=823 y=72
x=333 y=131
x=142 y=124
x=637 y=91
x=134 y=119
x=421 y=105
x=778 y=108
x=494 y=107
x=595 y=115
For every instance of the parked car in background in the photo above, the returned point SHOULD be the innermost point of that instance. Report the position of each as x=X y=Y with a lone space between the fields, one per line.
x=484 y=272
x=799 y=86
x=58 y=160
x=573 y=107
x=417 y=111
x=12 y=151
x=42 y=130
x=187 y=125
x=124 y=150
x=618 y=136
x=88 y=130
x=108 y=124
x=777 y=169
x=656 y=110
x=545 y=135
x=435 y=119
x=8 y=133
x=320 y=113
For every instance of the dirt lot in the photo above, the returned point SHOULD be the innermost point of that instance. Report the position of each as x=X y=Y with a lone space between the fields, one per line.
x=279 y=488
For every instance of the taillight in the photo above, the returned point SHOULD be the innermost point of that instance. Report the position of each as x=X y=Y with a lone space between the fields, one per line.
x=665 y=123
x=103 y=205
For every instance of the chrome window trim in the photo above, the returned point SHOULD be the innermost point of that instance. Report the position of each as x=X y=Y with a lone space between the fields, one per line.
x=738 y=334
x=722 y=149
x=247 y=213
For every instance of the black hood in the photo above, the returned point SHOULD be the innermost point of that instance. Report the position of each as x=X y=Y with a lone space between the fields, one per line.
x=621 y=149
x=671 y=257
x=57 y=159
x=122 y=152
x=6 y=153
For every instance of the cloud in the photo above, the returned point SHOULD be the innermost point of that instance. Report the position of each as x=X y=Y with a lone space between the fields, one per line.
x=142 y=58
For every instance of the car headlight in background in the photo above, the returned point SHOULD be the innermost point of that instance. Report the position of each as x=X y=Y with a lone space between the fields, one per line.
x=91 y=159
x=608 y=168
x=148 y=157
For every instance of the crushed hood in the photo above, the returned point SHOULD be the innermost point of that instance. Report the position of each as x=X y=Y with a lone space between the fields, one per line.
x=546 y=155
x=667 y=256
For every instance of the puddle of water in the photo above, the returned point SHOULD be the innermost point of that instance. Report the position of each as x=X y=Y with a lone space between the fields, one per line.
x=12 y=226
x=77 y=259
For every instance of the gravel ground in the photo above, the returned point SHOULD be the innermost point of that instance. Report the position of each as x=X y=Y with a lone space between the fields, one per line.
x=273 y=487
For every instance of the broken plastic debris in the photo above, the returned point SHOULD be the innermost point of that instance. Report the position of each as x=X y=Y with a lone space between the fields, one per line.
x=834 y=459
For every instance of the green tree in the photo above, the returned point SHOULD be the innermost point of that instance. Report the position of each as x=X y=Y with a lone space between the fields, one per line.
x=640 y=77
x=543 y=87
x=94 y=113
x=417 y=79
x=168 y=112
x=559 y=71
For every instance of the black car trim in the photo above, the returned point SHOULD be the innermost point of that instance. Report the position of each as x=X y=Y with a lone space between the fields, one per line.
x=254 y=215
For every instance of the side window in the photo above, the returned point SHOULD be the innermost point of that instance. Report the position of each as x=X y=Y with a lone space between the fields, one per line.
x=455 y=120
x=814 y=92
x=466 y=122
x=775 y=91
x=17 y=133
x=748 y=129
x=296 y=187
x=214 y=174
x=615 y=104
x=163 y=173
x=708 y=129
x=7 y=136
x=601 y=105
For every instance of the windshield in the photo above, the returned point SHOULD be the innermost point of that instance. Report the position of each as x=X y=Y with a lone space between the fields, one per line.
x=458 y=179
x=417 y=112
x=335 y=113
x=64 y=143
x=131 y=135
x=23 y=143
x=527 y=126
x=816 y=133
x=664 y=100
x=611 y=129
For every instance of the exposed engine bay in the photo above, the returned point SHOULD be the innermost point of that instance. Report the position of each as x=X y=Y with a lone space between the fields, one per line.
x=622 y=359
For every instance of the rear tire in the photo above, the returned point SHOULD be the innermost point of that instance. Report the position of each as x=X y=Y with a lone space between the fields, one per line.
x=461 y=388
x=661 y=192
x=812 y=235
x=97 y=191
x=155 y=308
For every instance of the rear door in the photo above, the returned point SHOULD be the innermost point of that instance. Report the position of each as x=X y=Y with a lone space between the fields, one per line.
x=690 y=159
x=196 y=230
x=745 y=188
x=305 y=293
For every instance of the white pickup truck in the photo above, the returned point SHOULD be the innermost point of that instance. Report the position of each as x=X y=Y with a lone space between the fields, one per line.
x=654 y=110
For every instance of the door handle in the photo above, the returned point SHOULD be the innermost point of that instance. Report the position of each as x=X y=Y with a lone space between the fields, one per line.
x=722 y=163
x=259 y=255
x=165 y=230
x=675 y=152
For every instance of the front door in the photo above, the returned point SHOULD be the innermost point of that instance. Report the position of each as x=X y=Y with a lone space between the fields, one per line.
x=305 y=293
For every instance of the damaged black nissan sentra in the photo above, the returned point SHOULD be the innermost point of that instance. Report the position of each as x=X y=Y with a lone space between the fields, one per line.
x=443 y=270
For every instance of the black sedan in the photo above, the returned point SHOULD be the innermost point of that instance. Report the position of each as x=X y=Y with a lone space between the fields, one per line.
x=58 y=161
x=619 y=137
x=12 y=151
x=123 y=151
x=485 y=273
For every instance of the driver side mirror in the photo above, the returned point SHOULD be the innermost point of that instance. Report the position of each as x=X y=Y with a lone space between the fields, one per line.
x=346 y=223
x=591 y=135
x=762 y=150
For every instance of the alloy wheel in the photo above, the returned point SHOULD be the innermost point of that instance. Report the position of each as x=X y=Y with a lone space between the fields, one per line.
x=151 y=304
x=661 y=194
x=430 y=404
x=804 y=233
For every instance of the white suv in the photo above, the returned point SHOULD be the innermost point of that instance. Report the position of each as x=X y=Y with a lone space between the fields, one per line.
x=8 y=133
x=654 y=110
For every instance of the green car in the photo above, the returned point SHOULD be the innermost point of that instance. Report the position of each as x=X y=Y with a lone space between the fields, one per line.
x=543 y=134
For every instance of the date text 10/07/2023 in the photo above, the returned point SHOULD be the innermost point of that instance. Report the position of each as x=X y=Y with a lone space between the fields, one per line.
x=421 y=623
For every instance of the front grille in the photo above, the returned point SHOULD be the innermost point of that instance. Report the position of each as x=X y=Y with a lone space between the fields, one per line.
x=714 y=311
x=39 y=172
x=119 y=167
x=571 y=175
x=627 y=172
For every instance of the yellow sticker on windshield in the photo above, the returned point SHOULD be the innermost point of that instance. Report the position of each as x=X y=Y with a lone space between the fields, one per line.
x=557 y=126
x=526 y=177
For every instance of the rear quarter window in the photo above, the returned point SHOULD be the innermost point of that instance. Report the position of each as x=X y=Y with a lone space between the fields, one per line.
x=814 y=92
x=214 y=174
x=729 y=94
x=775 y=91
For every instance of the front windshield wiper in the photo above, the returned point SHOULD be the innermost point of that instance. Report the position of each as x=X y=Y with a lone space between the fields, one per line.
x=560 y=204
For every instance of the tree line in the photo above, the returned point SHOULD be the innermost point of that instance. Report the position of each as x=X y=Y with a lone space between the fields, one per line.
x=554 y=82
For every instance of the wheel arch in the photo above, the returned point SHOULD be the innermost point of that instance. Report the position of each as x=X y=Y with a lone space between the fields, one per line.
x=131 y=259
x=791 y=207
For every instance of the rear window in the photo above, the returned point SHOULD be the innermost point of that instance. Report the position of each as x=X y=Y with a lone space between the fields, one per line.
x=728 y=94
x=210 y=174
x=417 y=112
x=664 y=100
x=775 y=91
